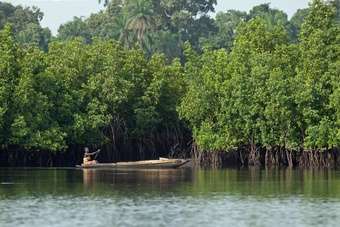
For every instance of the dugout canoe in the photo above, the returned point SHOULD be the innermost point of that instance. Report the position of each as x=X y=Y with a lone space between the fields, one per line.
x=161 y=163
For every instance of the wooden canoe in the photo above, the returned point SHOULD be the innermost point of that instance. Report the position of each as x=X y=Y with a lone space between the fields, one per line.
x=161 y=163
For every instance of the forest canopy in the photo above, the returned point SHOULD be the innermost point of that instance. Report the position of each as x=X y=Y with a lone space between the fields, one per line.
x=164 y=26
x=145 y=77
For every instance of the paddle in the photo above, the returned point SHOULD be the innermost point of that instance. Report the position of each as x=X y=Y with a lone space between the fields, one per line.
x=97 y=152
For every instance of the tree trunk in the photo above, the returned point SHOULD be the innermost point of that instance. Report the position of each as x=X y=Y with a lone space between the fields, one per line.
x=254 y=159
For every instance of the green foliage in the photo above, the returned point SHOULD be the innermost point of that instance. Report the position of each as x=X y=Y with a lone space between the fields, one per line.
x=73 y=29
x=319 y=50
x=202 y=102
x=164 y=26
x=9 y=68
x=227 y=23
x=33 y=126
x=267 y=92
x=242 y=79
x=154 y=26
x=78 y=93
x=26 y=24
x=297 y=21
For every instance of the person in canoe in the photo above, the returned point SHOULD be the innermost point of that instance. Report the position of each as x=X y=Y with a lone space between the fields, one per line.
x=88 y=160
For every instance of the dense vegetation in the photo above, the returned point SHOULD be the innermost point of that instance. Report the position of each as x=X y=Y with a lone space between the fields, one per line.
x=164 y=26
x=143 y=76
x=25 y=24
x=269 y=95
x=78 y=94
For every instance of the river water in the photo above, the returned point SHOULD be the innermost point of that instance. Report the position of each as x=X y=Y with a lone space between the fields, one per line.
x=183 y=197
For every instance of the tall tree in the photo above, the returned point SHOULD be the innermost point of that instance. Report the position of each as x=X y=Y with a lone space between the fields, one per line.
x=319 y=50
x=140 y=20
x=9 y=73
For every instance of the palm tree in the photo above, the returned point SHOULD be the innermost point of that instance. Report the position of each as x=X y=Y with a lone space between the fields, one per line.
x=140 y=20
x=120 y=31
x=134 y=21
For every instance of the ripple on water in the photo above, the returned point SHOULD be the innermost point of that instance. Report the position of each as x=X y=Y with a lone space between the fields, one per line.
x=168 y=211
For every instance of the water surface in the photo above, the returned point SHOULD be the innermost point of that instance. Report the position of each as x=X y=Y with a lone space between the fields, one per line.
x=183 y=197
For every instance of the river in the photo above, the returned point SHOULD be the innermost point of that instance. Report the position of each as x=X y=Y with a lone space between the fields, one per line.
x=183 y=197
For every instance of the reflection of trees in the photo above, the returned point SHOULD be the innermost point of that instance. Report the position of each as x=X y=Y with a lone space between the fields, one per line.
x=268 y=182
x=320 y=183
x=28 y=182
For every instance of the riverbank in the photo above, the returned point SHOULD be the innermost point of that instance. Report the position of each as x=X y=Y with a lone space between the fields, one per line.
x=241 y=157
x=268 y=158
x=16 y=157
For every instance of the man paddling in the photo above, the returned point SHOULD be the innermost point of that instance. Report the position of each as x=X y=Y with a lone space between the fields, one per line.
x=87 y=160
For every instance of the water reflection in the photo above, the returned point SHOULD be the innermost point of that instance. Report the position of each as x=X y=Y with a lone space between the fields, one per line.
x=89 y=177
x=254 y=182
x=274 y=182
x=183 y=197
